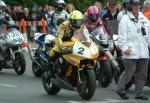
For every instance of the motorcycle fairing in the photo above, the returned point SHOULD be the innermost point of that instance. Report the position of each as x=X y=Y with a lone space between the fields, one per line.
x=81 y=52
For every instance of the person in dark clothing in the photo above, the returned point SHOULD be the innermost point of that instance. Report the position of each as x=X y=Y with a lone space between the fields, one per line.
x=27 y=17
x=110 y=18
x=18 y=12
x=112 y=11
x=44 y=12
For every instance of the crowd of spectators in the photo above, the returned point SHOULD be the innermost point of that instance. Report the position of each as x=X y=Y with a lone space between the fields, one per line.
x=36 y=13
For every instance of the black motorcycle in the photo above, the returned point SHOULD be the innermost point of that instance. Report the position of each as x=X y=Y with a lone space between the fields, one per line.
x=11 y=55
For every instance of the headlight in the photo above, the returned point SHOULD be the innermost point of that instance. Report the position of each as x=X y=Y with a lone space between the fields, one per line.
x=19 y=41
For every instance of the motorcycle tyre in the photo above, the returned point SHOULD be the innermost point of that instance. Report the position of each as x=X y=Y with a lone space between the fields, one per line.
x=22 y=63
x=91 y=84
x=36 y=72
x=106 y=77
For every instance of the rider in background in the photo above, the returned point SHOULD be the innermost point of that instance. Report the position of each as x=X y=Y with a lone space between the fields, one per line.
x=72 y=28
x=59 y=16
x=4 y=17
x=93 y=22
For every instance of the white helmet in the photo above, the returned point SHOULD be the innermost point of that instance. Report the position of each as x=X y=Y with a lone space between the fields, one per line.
x=60 y=2
x=2 y=4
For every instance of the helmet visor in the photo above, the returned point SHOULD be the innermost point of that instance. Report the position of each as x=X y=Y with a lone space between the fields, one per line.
x=93 y=17
x=77 y=22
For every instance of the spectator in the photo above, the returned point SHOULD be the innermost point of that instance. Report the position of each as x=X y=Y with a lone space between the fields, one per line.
x=125 y=6
x=101 y=10
x=27 y=17
x=147 y=8
x=13 y=14
x=44 y=12
x=133 y=40
x=110 y=18
x=18 y=12
x=34 y=12
x=26 y=14
x=51 y=10
x=69 y=8
x=112 y=11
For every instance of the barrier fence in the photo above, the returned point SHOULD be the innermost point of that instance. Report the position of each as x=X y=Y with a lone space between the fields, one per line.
x=23 y=28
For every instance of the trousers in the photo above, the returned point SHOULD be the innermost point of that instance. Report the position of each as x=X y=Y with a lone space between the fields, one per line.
x=137 y=68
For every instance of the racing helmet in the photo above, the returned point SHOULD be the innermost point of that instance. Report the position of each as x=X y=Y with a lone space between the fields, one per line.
x=59 y=4
x=93 y=13
x=76 y=19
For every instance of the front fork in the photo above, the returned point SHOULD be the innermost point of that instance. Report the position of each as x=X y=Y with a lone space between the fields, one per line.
x=13 y=52
x=79 y=75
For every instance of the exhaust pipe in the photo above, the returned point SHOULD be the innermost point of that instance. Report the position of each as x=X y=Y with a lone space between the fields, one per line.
x=112 y=60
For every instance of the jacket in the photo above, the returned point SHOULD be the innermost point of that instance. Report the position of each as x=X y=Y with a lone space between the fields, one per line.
x=65 y=33
x=130 y=36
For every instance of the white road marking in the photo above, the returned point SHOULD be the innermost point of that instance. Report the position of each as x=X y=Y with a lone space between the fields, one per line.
x=7 y=85
x=106 y=101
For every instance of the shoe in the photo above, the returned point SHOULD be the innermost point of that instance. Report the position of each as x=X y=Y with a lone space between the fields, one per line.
x=123 y=95
x=142 y=97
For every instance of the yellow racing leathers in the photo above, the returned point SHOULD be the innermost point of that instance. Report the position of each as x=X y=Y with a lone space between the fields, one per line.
x=65 y=33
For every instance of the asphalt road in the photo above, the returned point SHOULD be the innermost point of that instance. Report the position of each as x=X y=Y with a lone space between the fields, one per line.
x=29 y=89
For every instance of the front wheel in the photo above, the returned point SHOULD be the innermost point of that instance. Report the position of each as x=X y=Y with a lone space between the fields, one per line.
x=49 y=87
x=87 y=89
x=19 y=63
x=104 y=75
x=37 y=71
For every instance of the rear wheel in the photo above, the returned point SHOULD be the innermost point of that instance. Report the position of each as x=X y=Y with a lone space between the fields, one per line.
x=87 y=89
x=20 y=63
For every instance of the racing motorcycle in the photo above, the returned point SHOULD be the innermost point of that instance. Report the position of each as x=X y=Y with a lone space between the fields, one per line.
x=106 y=63
x=73 y=69
x=40 y=57
x=11 y=55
